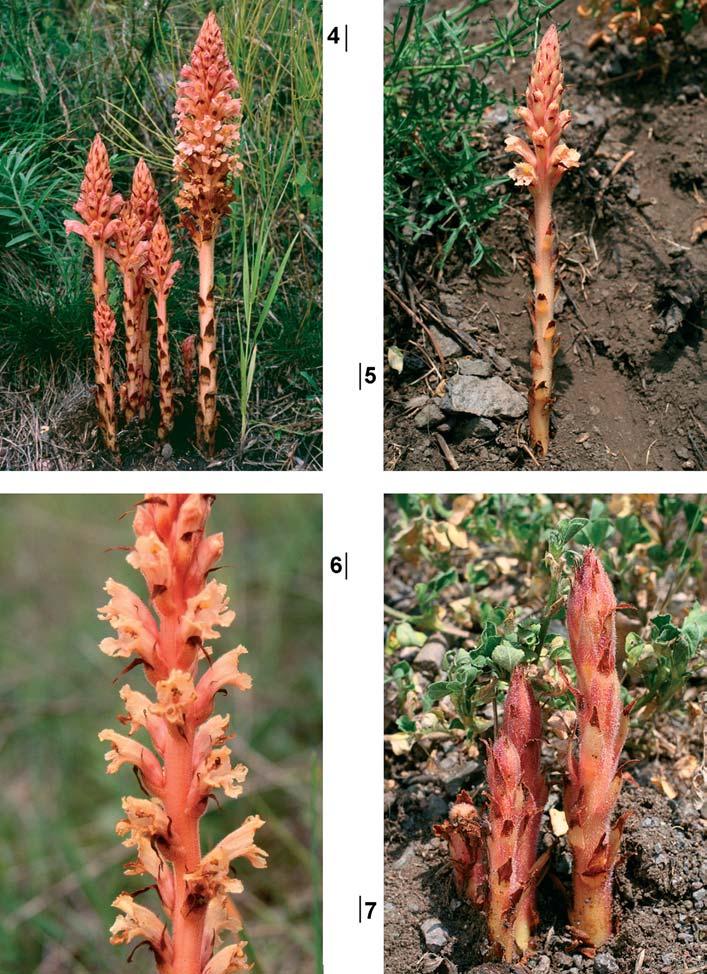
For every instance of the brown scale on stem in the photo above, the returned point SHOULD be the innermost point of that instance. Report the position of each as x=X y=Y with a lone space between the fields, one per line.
x=541 y=169
x=146 y=204
x=159 y=273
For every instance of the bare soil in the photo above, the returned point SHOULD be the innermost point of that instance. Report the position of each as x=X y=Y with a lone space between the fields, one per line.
x=659 y=889
x=630 y=375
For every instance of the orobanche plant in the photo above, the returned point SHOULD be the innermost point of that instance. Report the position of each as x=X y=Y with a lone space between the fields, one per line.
x=495 y=861
x=187 y=759
x=134 y=234
x=208 y=130
x=594 y=776
x=541 y=169
x=494 y=858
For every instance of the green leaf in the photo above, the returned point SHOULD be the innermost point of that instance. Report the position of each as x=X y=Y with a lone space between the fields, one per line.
x=406 y=725
x=407 y=636
x=435 y=691
x=507 y=656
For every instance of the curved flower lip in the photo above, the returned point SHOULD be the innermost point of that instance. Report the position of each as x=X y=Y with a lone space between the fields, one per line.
x=240 y=844
x=229 y=960
x=127 y=751
x=215 y=771
x=205 y=610
x=224 y=672
x=138 y=921
x=139 y=709
x=135 y=624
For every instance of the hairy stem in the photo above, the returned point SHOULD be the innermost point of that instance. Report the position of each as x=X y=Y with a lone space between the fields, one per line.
x=165 y=371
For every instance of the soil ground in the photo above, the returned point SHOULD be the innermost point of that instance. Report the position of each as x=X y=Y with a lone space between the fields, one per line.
x=630 y=380
x=659 y=896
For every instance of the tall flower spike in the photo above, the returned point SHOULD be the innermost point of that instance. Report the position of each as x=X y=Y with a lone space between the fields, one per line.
x=593 y=773
x=98 y=205
x=159 y=273
x=147 y=205
x=495 y=862
x=206 y=162
x=541 y=168
x=187 y=759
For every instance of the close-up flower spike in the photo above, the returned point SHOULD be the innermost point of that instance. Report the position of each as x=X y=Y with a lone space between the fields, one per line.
x=188 y=757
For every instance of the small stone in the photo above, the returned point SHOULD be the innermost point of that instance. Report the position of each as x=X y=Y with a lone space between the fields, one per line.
x=429 y=415
x=681 y=452
x=699 y=895
x=474 y=366
x=498 y=115
x=417 y=402
x=447 y=346
x=543 y=965
x=691 y=92
x=167 y=451
x=434 y=933
x=461 y=778
x=483 y=397
x=605 y=964
x=436 y=810
x=478 y=426
x=430 y=657
x=634 y=193
x=564 y=960
x=502 y=363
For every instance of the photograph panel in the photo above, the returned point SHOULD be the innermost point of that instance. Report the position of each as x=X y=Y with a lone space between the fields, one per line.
x=213 y=846
x=545 y=693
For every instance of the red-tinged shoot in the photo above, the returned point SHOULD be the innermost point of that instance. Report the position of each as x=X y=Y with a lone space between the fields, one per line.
x=543 y=163
x=594 y=777
x=147 y=207
x=185 y=759
x=495 y=861
x=159 y=273
x=206 y=162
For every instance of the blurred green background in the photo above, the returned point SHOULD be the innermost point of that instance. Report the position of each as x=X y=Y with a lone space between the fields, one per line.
x=60 y=860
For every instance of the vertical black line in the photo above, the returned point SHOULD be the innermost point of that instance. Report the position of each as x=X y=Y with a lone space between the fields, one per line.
x=359 y=909
x=346 y=38
x=360 y=376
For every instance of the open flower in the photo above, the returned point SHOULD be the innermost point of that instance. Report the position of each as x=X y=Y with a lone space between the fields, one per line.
x=137 y=921
x=215 y=771
x=228 y=961
x=222 y=673
x=175 y=695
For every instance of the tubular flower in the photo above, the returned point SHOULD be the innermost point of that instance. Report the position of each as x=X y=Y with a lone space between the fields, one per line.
x=146 y=204
x=543 y=164
x=187 y=757
x=206 y=161
x=98 y=205
x=159 y=273
x=495 y=861
x=593 y=773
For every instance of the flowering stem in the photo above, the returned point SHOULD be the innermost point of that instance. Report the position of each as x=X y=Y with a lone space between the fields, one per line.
x=188 y=759
x=544 y=161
